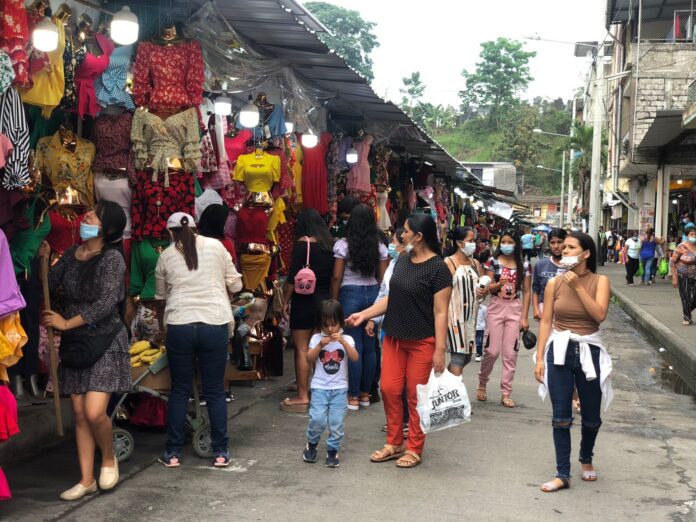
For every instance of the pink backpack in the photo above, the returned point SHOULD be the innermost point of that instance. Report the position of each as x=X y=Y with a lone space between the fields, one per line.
x=305 y=280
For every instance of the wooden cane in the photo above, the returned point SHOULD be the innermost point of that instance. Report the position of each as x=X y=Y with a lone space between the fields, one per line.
x=52 y=348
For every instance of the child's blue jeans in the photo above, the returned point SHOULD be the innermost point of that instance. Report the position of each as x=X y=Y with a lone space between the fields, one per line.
x=479 y=342
x=327 y=409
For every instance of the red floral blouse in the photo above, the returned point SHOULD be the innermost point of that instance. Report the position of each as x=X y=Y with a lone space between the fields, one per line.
x=111 y=136
x=168 y=77
x=153 y=203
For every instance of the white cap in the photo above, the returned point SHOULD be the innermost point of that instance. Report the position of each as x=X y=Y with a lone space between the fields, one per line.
x=175 y=220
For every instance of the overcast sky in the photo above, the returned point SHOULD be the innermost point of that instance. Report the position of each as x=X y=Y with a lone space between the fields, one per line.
x=439 y=38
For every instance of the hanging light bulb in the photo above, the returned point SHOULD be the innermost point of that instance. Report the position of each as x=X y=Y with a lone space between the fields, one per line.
x=223 y=106
x=289 y=127
x=124 y=27
x=309 y=140
x=249 y=115
x=352 y=156
x=45 y=36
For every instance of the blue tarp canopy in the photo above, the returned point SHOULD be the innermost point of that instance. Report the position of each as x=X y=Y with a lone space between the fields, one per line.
x=542 y=228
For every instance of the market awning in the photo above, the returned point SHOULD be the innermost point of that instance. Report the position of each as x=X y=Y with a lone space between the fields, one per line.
x=666 y=127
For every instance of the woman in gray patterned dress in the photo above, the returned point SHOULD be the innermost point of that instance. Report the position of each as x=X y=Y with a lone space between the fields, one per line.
x=90 y=280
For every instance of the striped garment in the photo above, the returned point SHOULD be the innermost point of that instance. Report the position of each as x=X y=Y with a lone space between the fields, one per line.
x=463 y=310
x=13 y=124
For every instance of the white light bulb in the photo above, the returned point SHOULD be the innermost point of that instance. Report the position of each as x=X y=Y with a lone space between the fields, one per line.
x=289 y=127
x=45 y=36
x=124 y=27
x=249 y=115
x=352 y=156
x=223 y=106
x=309 y=140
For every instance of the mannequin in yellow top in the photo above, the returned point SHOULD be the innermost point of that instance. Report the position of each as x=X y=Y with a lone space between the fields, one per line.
x=258 y=171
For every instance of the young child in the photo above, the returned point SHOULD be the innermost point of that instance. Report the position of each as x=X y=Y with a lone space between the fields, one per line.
x=329 y=351
x=480 y=328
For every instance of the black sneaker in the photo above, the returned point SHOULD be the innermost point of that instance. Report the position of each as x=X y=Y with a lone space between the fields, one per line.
x=309 y=455
x=332 y=459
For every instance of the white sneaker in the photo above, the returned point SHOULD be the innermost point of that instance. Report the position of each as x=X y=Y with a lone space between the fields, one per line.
x=478 y=358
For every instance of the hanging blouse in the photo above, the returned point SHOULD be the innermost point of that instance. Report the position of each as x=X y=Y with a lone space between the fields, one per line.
x=258 y=172
x=49 y=83
x=144 y=257
x=7 y=74
x=297 y=166
x=111 y=137
x=66 y=168
x=237 y=145
x=155 y=141
x=13 y=124
x=11 y=299
x=314 y=175
x=85 y=75
x=286 y=182
x=359 y=176
x=14 y=38
x=111 y=85
x=154 y=202
x=168 y=76
x=252 y=225
x=65 y=231
x=25 y=244
x=72 y=59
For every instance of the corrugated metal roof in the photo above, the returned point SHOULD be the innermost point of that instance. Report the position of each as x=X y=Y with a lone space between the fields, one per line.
x=624 y=10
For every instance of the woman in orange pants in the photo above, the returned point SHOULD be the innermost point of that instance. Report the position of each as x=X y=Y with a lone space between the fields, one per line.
x=415 y=325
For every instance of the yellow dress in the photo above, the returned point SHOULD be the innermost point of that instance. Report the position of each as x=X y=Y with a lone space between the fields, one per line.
x=65 y=168
x=12 y=339
x=276 y=218
x=258 y=172
x=49 y=83
x=297 y=172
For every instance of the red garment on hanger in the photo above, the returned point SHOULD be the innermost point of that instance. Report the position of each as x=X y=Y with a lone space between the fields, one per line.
x=314 y=175
x=236 y=146
x=251 y=225
x=64 y=233
x=8 y=414
x=89 y=70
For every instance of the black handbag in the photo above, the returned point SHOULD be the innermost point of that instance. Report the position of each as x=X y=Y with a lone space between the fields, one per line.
x=80 y=351
x=529 y=339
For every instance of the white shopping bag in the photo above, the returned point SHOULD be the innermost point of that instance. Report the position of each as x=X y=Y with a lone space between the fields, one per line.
x=442 y=402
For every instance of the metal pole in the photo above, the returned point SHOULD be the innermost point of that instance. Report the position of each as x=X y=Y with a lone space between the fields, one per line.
x=569 y=215
x=560 y=213
x=595 y=178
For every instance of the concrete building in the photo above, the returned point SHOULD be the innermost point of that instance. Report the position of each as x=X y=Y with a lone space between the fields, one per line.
x=543 y=209
x=502 y=175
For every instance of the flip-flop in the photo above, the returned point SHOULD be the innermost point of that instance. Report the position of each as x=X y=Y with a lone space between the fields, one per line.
x=507 y=402
x=481 y=394
x=589 y=476
x=552 y=487
x=389 y=452
x=409 y=460
x=289 y=407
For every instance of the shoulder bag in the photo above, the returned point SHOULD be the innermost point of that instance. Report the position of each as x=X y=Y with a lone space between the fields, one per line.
x=305 y=280
x=80 y=351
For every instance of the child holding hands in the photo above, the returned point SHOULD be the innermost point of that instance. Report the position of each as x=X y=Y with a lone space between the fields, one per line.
x=329 y=350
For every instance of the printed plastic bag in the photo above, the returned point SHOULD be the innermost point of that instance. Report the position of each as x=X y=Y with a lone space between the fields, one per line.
x=442 y=402
x=663 y=269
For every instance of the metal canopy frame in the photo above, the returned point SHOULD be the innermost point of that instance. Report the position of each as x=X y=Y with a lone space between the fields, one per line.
x=621 y=11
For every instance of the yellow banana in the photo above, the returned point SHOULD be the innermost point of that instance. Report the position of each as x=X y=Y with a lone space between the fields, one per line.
x=148 y=353
x=139 y=347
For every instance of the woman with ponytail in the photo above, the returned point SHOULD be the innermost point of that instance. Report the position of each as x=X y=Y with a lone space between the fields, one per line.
x=194 y=279
x=463 y=306
x=91 y=277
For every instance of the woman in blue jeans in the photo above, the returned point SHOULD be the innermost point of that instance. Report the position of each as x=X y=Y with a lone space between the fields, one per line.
x=647 y=255
x=194 y=279
x=361 y=260
x=571 y=354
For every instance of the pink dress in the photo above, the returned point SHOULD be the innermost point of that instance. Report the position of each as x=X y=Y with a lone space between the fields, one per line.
x=89 y=70
x=314 y=175
x=4 y=487
x=359 y=176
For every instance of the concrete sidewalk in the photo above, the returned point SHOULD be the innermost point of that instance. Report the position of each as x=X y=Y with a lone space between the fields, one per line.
x=657 y=311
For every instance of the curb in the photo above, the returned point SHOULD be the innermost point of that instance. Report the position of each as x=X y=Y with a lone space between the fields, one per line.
x=683 y=354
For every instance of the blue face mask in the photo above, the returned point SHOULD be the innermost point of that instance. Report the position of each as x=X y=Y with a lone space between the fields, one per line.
x=392 y=251
x=692 y=240
x=88 y=231
x=507 y=249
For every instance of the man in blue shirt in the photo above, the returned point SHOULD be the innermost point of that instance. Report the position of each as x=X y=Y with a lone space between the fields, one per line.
x=527 y=241
x=547 y=269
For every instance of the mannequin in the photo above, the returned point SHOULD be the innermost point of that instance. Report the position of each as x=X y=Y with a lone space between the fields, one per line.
x=266 y=107
x=169 y=36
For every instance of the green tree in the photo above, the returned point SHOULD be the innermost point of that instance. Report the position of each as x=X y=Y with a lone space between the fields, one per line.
x=412 y=91
x=499 y=77
x=351 y=36
x=581 y=165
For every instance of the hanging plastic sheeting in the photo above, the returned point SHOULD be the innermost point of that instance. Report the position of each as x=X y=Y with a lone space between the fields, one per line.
x=232 y=59
x=501 y=209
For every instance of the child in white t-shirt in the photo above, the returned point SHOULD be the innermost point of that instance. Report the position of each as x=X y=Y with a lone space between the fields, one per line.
x=329 y=351
x=480 y=328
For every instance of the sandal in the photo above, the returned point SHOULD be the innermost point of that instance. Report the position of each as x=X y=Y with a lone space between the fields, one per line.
x=552 y=486
x=289 y=405
x=388 y=452
x=409 y=460
x=507 y=402
x=481 y=394
x=222 y=460
x=364 y=400
x=589 y=476
x=170 y=460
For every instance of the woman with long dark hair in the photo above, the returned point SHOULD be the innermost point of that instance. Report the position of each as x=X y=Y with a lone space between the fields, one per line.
x=464 y=304
x=92 y=279
x=212 y=224
x=310 y=233
x=507 y=313
x=361 y=260
x=415 y=327
x=194 y=279
x=571 y=354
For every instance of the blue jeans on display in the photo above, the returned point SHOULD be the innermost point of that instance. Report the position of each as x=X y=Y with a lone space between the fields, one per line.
x=206 y=344
x=327 y=409
x=355 y=298
x=647 y=268
x=561 y=380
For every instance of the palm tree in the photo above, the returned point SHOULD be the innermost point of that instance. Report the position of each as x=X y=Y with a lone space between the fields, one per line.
x=581 y=141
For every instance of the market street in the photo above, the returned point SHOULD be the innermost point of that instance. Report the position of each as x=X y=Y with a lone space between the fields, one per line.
x=488 y=469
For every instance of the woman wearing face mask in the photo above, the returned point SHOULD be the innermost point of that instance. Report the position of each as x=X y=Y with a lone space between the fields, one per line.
x=547 y=269
x=415 y=327
x=92 y=278
x=466 y=294
x=571 y=354
x=507 y=314
x=684 y=273
x=195 y=277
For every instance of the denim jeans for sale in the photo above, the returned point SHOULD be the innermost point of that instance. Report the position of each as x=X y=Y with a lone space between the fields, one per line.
x=647 y=268
x=206 y=344
x=356 y=298
x=327 y=409
x=561 y=381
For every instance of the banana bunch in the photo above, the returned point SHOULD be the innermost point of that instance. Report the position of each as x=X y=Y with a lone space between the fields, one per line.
x=143 y=353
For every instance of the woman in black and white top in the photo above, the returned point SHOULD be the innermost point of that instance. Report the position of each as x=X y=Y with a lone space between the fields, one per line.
x=415 y=325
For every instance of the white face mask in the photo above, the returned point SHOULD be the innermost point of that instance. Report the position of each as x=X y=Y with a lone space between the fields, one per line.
x=569 y=261
x=408 y=248
x=469 y=249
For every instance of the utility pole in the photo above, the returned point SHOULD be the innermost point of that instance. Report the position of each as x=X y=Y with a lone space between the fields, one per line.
x=569 y=215
x=595 y=177
x=560 y=213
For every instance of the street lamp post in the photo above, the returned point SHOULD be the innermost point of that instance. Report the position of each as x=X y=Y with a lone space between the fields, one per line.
x=562 y=171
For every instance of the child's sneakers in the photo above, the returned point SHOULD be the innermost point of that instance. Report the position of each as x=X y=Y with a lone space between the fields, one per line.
x=332 y=459
x=309 y=455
